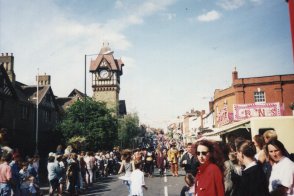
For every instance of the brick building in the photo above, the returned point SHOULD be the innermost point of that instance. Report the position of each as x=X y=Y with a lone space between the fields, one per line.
x=264 y=96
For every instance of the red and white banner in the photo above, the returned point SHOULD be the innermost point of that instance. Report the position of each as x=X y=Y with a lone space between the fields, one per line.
x=245 y=111
x=223 y=117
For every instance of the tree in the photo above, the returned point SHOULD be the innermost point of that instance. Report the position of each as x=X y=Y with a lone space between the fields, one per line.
x=128 y=129
x=101 y=125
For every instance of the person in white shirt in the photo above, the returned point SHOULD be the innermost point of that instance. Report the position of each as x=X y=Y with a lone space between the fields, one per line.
x=137 y=180
x=90 y=163
x=282 y=175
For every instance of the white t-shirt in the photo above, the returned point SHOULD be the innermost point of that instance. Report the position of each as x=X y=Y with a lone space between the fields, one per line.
x=282 y=174
x=137 y=180
x=90 y=162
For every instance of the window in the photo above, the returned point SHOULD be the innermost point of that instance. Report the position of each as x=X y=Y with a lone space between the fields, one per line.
x=259 y=96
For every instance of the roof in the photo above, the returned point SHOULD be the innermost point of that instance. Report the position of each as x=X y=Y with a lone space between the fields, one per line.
x=107 y=55
x=28 y=93
x=76 y=92
x=244 y=124
x=65 y=102
x=9 y=89
x=31 y=91
x=62 y=100
x=73 y=96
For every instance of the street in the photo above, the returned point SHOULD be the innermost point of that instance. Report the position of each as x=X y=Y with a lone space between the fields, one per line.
x=159 y=186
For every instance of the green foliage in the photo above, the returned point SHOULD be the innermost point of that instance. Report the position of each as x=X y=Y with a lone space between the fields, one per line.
x=100 y=131
x=77 y=139
x=128 y=129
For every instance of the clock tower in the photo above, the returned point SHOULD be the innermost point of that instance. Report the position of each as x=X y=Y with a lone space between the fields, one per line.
x=106 y=72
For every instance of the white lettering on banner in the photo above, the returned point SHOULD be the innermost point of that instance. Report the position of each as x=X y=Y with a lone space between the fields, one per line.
x=245 y=111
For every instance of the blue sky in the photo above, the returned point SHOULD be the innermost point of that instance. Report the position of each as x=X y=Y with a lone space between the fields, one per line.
x=176 y=52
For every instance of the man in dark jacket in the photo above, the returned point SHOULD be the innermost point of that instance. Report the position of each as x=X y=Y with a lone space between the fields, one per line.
x=189 y=161
x=253 y=181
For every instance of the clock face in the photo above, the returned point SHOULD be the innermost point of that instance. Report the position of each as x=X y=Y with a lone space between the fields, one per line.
x=104 y=74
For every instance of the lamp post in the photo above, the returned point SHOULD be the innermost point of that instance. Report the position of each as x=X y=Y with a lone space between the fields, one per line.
x=85 y=93
x=85 y=89
x=37 y=114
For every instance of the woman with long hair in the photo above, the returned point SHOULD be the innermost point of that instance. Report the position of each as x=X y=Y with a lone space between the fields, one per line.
x=209 y=178
x=126 y=168
x=281 y=179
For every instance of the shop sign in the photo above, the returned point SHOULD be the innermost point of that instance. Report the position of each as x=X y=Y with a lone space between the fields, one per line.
x=245 y=111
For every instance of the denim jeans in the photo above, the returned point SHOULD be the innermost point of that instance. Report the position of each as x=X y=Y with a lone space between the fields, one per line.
x=5 y=189
x=128 y=183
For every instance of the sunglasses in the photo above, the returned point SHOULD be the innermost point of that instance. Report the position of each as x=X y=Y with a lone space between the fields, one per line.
x=202 y=153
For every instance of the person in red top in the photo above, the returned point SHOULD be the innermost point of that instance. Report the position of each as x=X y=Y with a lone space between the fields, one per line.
x=5 y=174
x=209 y=178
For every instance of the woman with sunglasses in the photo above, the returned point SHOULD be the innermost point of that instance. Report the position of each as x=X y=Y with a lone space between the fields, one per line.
x=209 y=178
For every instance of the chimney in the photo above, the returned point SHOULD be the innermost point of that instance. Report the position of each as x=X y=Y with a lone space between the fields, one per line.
x=8 y=63
x=44 y=79
x=202 y=112
x=234 y=74
x=211 y=103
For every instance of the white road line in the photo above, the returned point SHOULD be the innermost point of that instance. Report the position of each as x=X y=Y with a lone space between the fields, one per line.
x=165 y=187
x=165 y=191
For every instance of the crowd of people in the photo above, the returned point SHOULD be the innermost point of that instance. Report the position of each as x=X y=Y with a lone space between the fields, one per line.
x=72 y=172
x=241 y=167
x=258 y=167
x=17 y=176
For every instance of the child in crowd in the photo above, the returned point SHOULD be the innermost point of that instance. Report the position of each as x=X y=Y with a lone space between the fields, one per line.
x=36 y=165
x=34 y=189
x=24 y=175
x=189 y=188
x=137 y=180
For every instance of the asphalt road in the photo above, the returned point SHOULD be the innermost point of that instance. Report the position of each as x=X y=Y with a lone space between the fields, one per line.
x=157 y=186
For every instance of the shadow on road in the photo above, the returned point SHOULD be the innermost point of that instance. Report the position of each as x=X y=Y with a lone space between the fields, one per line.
x=100 y=187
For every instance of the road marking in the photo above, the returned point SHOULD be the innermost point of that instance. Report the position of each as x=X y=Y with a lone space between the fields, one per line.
x=165 y=187
x=165 y=191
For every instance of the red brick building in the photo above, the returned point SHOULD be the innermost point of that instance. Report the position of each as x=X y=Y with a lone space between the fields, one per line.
x=253 y=97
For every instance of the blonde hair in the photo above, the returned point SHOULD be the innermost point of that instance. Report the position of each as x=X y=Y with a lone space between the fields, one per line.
x=270 y=135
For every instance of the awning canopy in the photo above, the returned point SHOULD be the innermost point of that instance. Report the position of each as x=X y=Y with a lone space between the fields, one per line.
x=244 y=124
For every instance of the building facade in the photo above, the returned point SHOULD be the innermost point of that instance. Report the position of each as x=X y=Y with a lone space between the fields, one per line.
x=265 y=96
x=18 y=109
x=106 y=72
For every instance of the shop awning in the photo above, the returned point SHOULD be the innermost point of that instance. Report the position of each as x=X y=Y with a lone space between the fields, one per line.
x=244 y=124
